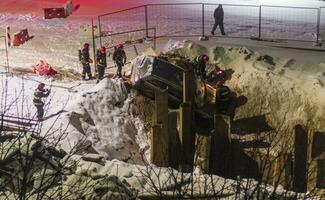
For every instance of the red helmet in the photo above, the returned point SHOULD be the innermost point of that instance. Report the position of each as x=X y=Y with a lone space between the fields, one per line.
x=41 y=86
x=120 y=46
x=102 y=49
x=218 y=70
x=86 y=45
x=205 y=58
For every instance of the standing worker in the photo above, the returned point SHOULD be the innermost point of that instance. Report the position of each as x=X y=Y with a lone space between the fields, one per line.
x=119 y=58
x=223 y=98
x=201 y=65
x=85 y=60
x=101 y=63
x=218 y=17
x=40 y=93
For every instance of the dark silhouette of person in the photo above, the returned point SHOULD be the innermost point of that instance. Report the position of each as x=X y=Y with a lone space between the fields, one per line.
x=218 y=17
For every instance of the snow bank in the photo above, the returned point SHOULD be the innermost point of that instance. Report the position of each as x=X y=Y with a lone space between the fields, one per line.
x=101 y=117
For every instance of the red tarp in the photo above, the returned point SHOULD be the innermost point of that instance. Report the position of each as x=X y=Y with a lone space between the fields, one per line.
x=42 y=68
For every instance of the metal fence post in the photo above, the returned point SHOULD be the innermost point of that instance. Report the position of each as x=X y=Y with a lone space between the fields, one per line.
x=146 y=19
x=260 y=24
x=100 y=31
x=318 y=24
x=203 y=24
x=7 y=56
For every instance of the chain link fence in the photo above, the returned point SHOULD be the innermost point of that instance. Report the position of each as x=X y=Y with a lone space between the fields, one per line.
x=134 y=41
x=196 y=19
x=322 y=23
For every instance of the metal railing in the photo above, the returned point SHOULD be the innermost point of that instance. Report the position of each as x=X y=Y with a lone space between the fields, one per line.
x=135 y=41
x=196 y=19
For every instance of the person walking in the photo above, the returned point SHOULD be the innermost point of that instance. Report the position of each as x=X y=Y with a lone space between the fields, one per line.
x=101 y=63
x=40 y=93
x=218 y=18
x=85 y=60
x=119 y=57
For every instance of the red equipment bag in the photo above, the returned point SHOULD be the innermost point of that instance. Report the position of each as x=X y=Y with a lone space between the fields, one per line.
x=42 y=68
x=50 y=13
x=20 y=37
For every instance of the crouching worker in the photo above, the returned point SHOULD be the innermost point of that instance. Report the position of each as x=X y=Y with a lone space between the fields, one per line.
x=119 y=58
x=216 y=75
x=85 y=60
x=223 y=98
x=101 y=63
x=40 y=93
x=201 y=62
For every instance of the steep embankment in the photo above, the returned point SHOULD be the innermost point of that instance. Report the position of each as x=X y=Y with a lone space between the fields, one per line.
x=283 y=90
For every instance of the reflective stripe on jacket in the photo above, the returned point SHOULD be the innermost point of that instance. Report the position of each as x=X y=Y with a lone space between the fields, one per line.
x=38 y=95
x=223 y=94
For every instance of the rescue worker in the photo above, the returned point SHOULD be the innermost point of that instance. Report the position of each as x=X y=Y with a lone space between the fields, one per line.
x=85 y=60
x=119 y=57
x=223 y=98
x=218 y=18
x=219 y=74
x=101 y=62
x=201 y=65
x=40 y=93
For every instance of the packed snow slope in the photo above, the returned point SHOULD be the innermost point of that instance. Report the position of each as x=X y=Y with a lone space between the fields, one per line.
x=100 y=117
x=283 y=90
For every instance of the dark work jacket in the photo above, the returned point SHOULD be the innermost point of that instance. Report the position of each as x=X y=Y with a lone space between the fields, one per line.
x=200 y=66
x=119 y=57
x=101 y=59
x=218 y=14
x=223 y=95
x=38 y=95
x=85 y=56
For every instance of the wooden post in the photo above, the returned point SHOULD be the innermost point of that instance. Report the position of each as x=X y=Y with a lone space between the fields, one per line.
x=222 y=129
x=187 y=138
x=8 y=38
x=189 y=86
x=173 y=145
x=159 y=133
x=187 y=125
x=156 y=157
x=221 y=144
x=203 y=149
x=300 y=159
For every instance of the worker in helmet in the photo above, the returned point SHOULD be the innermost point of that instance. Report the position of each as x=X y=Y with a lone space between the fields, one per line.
x=101 y=62
x=223 y=98
x=40 y=93
x=219 y=74
x=119 y=57
x=201 y=65
x=85 y=60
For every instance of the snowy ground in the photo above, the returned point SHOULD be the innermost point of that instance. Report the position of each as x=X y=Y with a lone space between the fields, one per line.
x=99 y=113
x=57 y=42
